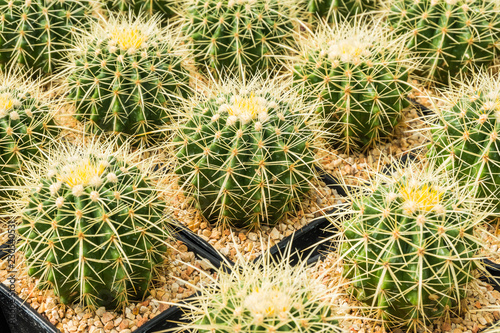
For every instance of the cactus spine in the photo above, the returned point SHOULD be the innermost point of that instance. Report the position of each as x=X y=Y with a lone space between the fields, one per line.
x=358 y=71
x=452 y=35
x=93 y=227
x=36 y=33
x=246 y=152
x=410 y=246
x=241 y=34
x=26 y=124
x=465 y=140
x=124 y=75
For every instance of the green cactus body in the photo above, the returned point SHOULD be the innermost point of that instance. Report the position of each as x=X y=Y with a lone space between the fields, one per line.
x=36 y=33
x=151 y=7
x=359 y=75
x=26 y=125
x=246 y=155
x=452 y=35
x=466 y=139
x=262 y=297
x=123 y=77
x=243 y=34
x=93 y=230
x=409 y=249
x=329 y=8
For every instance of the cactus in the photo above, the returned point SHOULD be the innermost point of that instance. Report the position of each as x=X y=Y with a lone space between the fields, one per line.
x=124 y=75
x=151 y=7
x=465 y=138
x=248 y=35
x=328 y=9
x=26 y=124
x=268 y=295
x=411 y=245
x=358 y=71
x=246 y=152
x=36 y=33
x=92 y=225
x=452 y=35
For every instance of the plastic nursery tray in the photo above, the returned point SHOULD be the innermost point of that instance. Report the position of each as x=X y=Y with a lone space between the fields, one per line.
x=21 y=318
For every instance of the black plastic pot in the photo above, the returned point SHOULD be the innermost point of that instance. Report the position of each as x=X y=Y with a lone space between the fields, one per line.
x=494 y=273
x=422 y=109
x=199 y=246
x=20 y=317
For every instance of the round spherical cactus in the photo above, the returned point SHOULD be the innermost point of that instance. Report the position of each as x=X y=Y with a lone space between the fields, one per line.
x=93 y=226
x=452 y=35
x=27 y=123
x=410 y=246
x=36 y=33
x=246 y=151
x=358 y=71
x=466 y=135
x=124 y=75
x=268 y=295
x=247 y=35
x=151 y=7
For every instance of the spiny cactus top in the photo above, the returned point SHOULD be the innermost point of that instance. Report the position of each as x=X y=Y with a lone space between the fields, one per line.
x=150 y=7
x=246 y=152
x=93 y=227
x=262 y=297
x=26 y=123
x=451 y=34
x=466 y=139
x=35 y=33
x=410 y=245
x=123 y=75
x=358 y=71
x=242 y=34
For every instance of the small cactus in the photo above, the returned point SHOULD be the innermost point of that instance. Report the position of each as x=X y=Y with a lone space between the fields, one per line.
x=36 y=33
x=27 y=123
x=465 y=140
x=451 y=35
x=123 y=75
x=358 y=71
x=261 y=297
x=410 y=245
x=247 y=35
x=246 y=151
x=93 y=226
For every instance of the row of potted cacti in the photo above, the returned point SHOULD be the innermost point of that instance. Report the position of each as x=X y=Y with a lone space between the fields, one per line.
x=123 y=74
x=93 y=220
